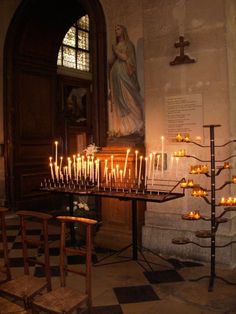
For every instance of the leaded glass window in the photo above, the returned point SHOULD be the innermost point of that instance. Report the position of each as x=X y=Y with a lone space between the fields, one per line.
x=75 y=50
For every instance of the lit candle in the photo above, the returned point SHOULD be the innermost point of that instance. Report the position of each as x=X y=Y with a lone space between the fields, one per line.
x=82 y=165
x=114 y=174
x=162 y=154
x=153 y=165
x=150 y=165
x=112 y=157
x=187 y=138
x=129 y=173
x=52 y=174
x=140 y=170
x=57 y=173
x=55 y=170
x=229 y=201
x=226 y=165
x=98 y=173
x=85 y=168
x=191 y=214
x=117 y=171
x=204 y=169
x=106 y=175
x=197 y=215
x=190 y=183
x=79 y=166
x=179 y=138
x=121 y=175
x=158 y=160
x=61 y=158
x=146 y=166
x=92 y=167
x=74 y=165
x=136 y=164
x=91 y=170
x=56 y=151
x=105 y=166
x=126 y=159
x=69 y=166
x=88 y=165
x=77 y=169
x=183 y=184
x=66 y=172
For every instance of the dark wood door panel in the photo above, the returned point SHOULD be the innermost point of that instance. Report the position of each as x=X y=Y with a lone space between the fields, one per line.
x=35 y=105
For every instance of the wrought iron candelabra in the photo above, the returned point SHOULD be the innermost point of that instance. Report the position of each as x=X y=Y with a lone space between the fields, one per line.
x=201 y=192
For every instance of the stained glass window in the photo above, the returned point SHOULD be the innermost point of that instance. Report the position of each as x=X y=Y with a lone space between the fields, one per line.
x=75 y=50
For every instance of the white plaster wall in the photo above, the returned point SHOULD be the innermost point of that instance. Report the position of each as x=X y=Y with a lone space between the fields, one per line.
x=204 y=24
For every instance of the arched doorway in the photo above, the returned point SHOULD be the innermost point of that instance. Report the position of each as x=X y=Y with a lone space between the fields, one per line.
x=32 y=115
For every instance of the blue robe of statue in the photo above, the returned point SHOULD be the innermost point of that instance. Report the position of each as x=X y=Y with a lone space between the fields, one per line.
x=126 y=103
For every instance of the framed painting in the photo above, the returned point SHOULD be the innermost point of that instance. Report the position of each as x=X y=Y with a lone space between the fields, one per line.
x=76 y=101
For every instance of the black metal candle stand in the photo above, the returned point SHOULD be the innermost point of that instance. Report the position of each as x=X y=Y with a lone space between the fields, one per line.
x=215 y=221
x=128 y=190
x=167 y=192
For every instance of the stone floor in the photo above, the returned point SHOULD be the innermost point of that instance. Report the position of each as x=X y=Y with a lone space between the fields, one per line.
x=122 y=285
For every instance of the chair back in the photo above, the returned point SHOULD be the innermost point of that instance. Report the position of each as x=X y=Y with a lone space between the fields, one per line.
x=26 y=218
x=68 y=248
x=5 y=268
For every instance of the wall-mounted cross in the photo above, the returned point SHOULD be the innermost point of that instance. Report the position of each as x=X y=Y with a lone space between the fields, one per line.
x=182 y=58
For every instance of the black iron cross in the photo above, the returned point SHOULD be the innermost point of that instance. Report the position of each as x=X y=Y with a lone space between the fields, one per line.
x=181 y=44
x=182 y=58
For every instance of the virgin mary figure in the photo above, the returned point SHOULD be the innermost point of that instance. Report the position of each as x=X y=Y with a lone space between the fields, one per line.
x=125 y=102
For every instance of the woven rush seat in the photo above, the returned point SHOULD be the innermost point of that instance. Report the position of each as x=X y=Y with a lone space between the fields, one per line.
x=24 y=288
x=5 y=273
x=65 y=299
x=8 y=307
x=61 y=300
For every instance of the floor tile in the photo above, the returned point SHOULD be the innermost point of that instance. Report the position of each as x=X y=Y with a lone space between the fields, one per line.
x=17 y=246
x=39 y=271
x=135 y=294
x=124 y=287
x=180 y=264
x=110 y=309
x=163 y=276
x=16 y=262
x=9 y=238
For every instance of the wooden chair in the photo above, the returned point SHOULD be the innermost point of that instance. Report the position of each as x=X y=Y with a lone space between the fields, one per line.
x=66 y=299
x=25 y=287
x=6 y=306
x=5 y=268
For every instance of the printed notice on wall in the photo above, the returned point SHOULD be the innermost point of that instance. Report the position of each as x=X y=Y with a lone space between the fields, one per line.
x=184 y=114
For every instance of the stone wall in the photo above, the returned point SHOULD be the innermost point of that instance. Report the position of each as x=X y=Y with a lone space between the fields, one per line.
x=209 y=26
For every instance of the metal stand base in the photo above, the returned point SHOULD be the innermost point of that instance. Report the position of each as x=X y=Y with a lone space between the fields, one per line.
x=212 y=280
x=140 y=251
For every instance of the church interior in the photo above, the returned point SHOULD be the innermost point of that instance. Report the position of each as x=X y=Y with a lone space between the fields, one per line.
x=117 y=156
